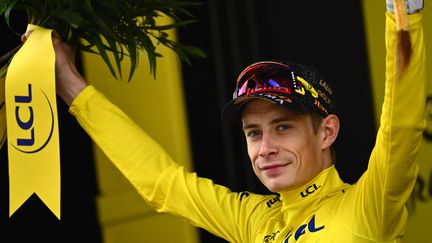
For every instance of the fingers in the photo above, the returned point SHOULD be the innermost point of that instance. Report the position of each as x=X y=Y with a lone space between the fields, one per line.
x=69 y=82
x=59 y=46
x=26 y=35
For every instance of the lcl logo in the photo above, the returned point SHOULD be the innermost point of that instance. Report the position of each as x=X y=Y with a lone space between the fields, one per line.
x=26 y=123
x=311 y=189
x=303 y=229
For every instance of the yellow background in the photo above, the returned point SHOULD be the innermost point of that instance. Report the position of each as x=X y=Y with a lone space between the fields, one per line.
x=420 y=222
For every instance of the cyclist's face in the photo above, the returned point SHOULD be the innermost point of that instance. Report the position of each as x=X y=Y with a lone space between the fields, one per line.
x=285 y=150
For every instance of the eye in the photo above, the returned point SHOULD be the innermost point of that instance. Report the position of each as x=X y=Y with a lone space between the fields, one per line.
x=253 y=133
x=283 y=127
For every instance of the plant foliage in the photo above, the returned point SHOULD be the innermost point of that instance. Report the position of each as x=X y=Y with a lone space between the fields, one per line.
x=120 y=27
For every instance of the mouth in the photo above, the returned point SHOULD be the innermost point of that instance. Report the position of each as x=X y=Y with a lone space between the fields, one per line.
x=274 y=169
x=269 y=167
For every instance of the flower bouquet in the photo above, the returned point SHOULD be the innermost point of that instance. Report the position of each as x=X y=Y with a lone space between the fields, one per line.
x=119 y=27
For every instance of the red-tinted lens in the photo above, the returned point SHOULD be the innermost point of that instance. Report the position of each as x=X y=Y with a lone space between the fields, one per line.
x=265 y=77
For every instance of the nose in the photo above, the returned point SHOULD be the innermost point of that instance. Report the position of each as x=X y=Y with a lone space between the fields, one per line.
x=268 y=146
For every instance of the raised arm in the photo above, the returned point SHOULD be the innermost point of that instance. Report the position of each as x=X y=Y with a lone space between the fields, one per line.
x=164 y=184
x=381 y=193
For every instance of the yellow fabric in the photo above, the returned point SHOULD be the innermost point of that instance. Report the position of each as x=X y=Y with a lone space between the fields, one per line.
x=32 y=127
x=2 y=113
x=420 y=202
x=324 y=210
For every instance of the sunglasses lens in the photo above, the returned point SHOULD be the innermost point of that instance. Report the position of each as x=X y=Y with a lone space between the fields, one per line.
x=265 y=78
x=297 y=86
x=243 y=89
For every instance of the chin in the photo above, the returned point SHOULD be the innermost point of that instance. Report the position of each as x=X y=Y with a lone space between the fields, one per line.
x=279 y=187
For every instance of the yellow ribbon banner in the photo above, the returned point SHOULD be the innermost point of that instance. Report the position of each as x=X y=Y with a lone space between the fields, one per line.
x=2 y=113
x=32 y=127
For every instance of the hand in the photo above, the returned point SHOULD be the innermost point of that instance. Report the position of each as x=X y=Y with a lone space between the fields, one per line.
x=69 y=82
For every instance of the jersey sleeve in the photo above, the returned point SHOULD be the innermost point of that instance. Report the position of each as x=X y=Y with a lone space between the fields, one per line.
x=164 y=184
x=381 y=193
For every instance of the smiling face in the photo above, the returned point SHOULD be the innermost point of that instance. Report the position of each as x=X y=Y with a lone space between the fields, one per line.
x=284 y=148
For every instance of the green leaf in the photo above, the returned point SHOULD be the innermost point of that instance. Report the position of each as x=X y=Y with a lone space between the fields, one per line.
x=172 y=26
x=87 y=48
x=102 y=51
x=117 y=54
x=133 y=54
x=73 y=19
x=192 y=50
x=3 y=7
x=117 y=27
x=4 y=69
x=8 y=11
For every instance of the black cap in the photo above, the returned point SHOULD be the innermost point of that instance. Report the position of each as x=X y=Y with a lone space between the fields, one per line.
x=303 y=89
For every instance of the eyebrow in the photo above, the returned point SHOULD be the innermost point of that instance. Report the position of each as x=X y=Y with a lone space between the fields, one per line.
x=277 y=120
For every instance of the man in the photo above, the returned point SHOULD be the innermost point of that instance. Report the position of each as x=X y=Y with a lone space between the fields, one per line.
x=288 y=115
x=289 y=138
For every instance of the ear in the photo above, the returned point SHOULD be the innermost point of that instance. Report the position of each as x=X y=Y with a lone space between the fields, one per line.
x=329 y=130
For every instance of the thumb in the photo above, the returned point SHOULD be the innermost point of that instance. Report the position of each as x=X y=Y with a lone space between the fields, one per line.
x=26 y=35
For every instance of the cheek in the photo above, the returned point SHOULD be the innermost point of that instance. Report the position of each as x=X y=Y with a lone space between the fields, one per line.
x=252 y=151
x=300 y=153
x=310 y=154
x=253 y=154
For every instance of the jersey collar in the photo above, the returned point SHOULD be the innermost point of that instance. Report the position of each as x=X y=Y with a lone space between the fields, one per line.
x=328 y=180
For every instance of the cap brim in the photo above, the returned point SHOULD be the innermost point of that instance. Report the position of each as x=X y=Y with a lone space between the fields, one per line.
x=232 y=111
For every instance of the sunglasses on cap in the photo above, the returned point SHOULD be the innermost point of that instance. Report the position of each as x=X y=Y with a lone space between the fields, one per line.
x=296 y=86
x=271 y=77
